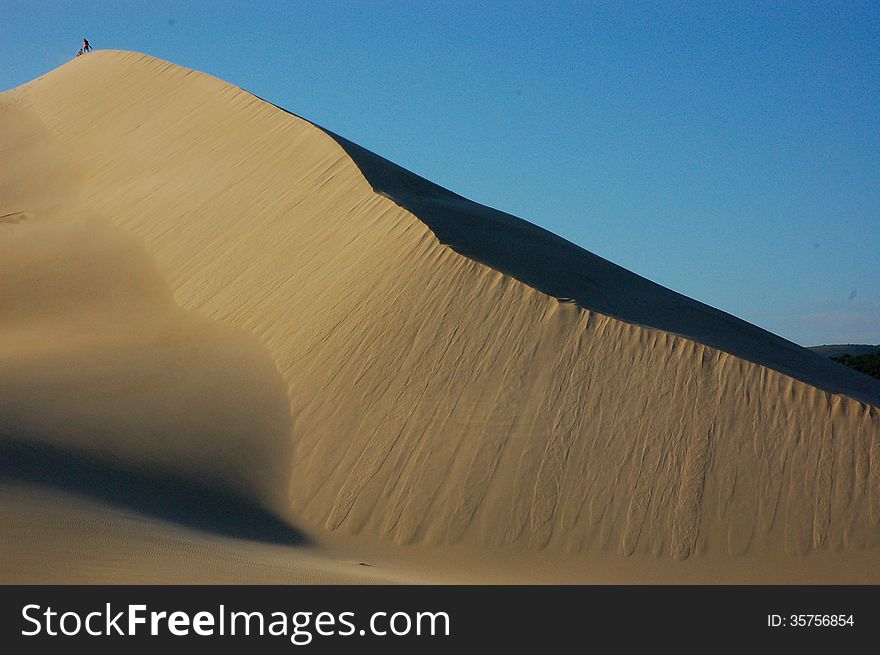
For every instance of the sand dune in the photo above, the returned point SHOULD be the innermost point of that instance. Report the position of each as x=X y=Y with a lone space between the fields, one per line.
x=198 y=286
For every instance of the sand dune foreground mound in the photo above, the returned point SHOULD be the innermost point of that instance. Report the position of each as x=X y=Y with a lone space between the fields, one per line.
x=206 y=296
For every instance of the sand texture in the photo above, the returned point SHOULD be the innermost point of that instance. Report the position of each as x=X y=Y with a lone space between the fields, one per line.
x=210 y=304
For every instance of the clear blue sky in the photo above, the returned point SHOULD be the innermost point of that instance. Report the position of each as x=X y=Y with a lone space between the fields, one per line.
x=731 y=153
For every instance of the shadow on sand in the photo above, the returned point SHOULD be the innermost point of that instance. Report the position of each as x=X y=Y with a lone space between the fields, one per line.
x=559 y=268
x=163 y=496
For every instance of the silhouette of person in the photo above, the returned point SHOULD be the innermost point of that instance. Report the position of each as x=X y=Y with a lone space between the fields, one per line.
x=86 y=47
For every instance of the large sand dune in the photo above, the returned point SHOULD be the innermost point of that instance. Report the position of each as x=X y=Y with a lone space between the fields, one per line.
x=202 y=292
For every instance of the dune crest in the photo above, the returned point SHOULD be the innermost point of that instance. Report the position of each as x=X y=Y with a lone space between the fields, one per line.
x=451 y=374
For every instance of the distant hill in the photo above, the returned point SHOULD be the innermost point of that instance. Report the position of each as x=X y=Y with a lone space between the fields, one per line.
x=864 y=358
x=868 y=364
x=851 y=349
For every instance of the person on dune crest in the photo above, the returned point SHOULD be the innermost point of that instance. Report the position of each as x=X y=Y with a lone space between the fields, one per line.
x=86 y=47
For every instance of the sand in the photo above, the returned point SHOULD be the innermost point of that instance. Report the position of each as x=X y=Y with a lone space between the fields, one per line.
x=241 y=348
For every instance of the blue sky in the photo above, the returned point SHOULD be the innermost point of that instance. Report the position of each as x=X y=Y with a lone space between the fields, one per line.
x=730 y=152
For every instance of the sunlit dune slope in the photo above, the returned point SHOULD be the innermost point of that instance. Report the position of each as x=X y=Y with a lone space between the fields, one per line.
x=193 y=280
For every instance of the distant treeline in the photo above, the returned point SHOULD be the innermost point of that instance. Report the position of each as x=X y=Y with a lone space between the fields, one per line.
x=868 y=364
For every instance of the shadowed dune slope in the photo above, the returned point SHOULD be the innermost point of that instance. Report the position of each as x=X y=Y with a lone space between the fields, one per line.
x=563 y=270
x=441 y=385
